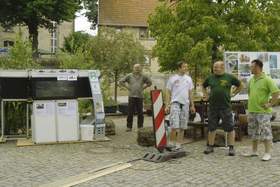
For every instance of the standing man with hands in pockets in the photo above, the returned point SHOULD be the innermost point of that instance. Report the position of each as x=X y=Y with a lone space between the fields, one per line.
x=220 y=84
x=178 y=102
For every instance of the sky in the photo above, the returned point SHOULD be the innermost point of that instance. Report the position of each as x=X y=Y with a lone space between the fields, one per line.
x=82 y=24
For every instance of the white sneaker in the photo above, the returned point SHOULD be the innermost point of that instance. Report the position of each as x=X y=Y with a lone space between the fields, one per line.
x=266 y=157
x=250 y=154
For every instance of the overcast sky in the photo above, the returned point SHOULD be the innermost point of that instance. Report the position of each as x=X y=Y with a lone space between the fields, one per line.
x=82 y=24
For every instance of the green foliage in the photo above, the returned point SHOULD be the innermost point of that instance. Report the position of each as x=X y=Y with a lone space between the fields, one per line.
x=76 y=41
x=76 y=53
x=80 y=59
x=85 y=106
x=91 y=13
x=114 y=53
x=199 y=31
x=19 y=56
x=15 y=116
x=37 y=13
x=147 y=98
x=107 y=96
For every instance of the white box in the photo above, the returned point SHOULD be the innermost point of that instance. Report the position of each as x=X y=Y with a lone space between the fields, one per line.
x=67 y=120
x=43 y=122
x=87 y=132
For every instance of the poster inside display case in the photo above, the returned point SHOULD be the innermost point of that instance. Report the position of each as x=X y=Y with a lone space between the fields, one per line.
x=238 y=64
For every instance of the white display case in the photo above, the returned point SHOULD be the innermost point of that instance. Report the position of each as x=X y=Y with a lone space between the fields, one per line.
x=43 y=122
x=67 y=120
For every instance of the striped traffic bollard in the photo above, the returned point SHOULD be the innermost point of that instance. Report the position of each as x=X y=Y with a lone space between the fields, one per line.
x=158 y=119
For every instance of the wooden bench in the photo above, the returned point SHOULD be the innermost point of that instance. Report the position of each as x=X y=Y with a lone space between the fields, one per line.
x=201 y=109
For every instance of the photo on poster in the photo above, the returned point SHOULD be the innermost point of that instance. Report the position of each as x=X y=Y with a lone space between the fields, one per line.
x=263 y=57
x=244 y=81
x=244 y=58
x=244 y=70
x=273 y=61
x=275 y=73
x=231 y=62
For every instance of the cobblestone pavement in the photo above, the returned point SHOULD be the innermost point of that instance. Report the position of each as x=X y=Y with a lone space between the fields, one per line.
x=37 y=165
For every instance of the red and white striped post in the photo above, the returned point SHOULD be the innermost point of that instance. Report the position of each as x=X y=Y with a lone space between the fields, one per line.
x=158 y=119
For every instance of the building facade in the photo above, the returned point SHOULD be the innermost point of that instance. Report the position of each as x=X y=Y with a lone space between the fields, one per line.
x=131 y=16
x=49 y=41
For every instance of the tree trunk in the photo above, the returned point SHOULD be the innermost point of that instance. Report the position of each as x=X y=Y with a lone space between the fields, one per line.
x=195 y=76
x=116 y=85
x=33 y=37
x=214 y=53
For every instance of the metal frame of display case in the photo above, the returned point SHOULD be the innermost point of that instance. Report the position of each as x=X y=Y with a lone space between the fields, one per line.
x=3 y=136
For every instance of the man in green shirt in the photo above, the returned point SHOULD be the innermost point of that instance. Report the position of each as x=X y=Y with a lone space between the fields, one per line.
x=261 y=88
x=220 y=84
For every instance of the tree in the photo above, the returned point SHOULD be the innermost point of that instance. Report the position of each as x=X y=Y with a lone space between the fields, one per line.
x=91 y=7
x=19 y=56
x=115 y=53
x=35 y=14
x=76 y=41
x=199 y=30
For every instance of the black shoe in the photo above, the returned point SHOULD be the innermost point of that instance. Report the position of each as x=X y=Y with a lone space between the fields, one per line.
x=209 y=149
x=231 y=151
x=128 y=130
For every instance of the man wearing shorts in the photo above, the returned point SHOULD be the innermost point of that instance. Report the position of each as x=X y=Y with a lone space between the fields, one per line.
x=220 y=84
x=178 y=102
x=261 y=87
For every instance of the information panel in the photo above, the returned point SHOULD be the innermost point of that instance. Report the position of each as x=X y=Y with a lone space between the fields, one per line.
x=238 y=63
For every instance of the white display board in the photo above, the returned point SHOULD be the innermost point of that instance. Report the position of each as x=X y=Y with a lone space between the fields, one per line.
x=238 y=63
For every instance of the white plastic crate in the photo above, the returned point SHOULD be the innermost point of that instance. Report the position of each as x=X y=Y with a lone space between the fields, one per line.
x=87 y=132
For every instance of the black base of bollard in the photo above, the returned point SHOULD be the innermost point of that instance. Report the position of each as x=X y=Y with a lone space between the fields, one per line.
x=164 y=156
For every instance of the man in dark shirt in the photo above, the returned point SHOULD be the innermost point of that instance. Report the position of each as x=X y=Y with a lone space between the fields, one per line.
x=135 y=82
x=220 y=84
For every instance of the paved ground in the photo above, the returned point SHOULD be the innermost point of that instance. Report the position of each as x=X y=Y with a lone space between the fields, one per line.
x=37 y=165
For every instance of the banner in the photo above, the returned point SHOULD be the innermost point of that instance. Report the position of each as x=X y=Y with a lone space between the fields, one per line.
x=238 y=64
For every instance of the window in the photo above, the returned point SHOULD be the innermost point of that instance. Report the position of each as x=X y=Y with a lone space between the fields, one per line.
x=144 y=33
x=147 y=60
x=119 y=29
x=8 y=43
x=54 y=38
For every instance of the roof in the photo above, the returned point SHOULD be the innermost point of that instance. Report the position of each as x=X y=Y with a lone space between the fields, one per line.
x=125 y=12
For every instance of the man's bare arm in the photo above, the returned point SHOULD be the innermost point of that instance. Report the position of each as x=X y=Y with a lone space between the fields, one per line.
x=236 y=90
x=167 y=100
x=192 y=108
x=273 y=101
x=205 y=94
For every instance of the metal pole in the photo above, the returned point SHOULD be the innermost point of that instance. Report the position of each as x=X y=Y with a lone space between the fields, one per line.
x=2 y=120
x=226 y=139
x=27 y=120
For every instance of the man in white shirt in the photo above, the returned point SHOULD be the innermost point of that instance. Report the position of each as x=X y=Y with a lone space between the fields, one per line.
x=178 y=102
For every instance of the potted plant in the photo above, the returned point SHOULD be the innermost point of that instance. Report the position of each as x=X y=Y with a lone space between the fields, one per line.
x=110 y=106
